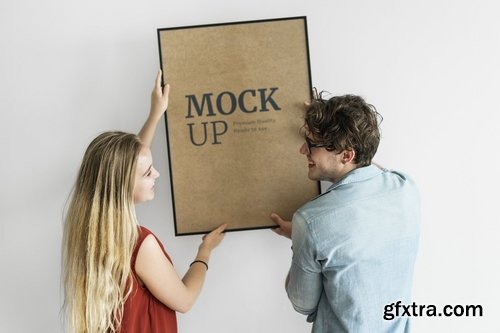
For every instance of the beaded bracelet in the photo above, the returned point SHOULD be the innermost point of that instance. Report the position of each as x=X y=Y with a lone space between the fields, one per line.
x=200 y=261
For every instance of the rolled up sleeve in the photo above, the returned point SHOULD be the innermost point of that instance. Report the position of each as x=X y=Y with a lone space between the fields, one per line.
x=305 y=279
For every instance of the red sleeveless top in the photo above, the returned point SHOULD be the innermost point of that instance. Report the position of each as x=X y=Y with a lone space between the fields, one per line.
x=142 y=312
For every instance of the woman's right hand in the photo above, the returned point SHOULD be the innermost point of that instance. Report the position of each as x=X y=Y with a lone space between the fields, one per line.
x=213 y=239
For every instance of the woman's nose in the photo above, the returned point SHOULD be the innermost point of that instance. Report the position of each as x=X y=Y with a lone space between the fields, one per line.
x=156 y=173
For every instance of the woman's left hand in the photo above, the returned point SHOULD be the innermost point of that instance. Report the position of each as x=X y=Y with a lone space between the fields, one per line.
x=159 y=98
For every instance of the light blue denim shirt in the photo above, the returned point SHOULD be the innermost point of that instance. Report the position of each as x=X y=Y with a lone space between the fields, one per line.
x=354 y=249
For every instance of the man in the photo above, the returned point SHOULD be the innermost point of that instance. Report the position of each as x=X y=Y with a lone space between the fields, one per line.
x=354 y=246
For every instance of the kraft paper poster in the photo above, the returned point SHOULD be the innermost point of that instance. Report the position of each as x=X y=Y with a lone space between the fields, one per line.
x=233 y=122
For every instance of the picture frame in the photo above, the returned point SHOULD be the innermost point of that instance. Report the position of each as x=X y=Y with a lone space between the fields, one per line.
x=233 y=122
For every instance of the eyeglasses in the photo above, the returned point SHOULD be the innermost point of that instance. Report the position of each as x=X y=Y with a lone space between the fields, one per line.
x=310 y=145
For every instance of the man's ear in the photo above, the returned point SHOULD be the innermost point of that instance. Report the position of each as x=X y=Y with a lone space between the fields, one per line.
x=348 y=156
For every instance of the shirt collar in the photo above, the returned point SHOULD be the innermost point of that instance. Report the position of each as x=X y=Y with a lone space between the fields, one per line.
x=357 y=175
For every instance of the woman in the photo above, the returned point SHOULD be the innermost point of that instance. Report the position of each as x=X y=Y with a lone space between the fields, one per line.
x=117 y=276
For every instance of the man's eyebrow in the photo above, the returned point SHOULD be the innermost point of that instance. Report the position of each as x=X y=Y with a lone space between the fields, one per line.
x=149 y=169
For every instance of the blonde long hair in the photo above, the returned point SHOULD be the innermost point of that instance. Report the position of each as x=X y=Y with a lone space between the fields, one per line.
x=100 y=232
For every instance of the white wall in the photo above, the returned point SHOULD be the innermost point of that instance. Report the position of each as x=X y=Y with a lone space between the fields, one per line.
x=71 y=69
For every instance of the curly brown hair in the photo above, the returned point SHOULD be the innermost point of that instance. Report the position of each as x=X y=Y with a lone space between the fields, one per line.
x=343 y=123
